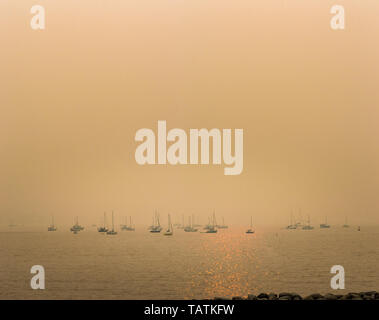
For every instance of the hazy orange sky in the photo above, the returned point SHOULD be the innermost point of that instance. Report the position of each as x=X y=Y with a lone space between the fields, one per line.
x=73 y=96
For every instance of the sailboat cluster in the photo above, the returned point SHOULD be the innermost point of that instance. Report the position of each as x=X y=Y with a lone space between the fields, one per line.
x=300 y=224
x=211 y=227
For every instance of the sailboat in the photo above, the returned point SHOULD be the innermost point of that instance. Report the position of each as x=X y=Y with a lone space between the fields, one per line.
x=345 y=225
x=124 y=227
x=208 y=225
x=156 y=227
x=308 y=226
x=190 y=227
x=223 y=226
x=52 y=227
x=127 y=227
x=181 y=225
x=112 y=232
x=170 y=230
x=292 y=226
x=212 y=227
x=250 y=230
x=325 y=225
x=103 y=228
x=76 y=227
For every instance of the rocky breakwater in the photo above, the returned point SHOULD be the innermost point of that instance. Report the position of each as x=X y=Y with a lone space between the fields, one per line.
x=369 y=295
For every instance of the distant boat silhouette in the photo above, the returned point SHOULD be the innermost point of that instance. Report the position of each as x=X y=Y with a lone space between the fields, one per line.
x=212 y=227
x=156 y=227
x=250 y=230
x=345 y=225
x=308 y=225
x=325 y=225
x=126 y=227
x=76 y=227
x=112 y=232
x=52 y=227
x=170 y=230
x=223 y=226
x=190 y=227
x=292 y=226
x=103 y=228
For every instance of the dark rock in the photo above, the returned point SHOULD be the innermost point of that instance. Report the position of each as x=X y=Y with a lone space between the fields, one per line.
x=263 y=295
x=370 y=295
x=283 y=294
x=272 y=296
x=296 y=296
x=317 y=296
x=352 y=295
x=330 y=296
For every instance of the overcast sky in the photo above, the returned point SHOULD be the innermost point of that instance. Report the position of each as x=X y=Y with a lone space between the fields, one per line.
x=73 y=96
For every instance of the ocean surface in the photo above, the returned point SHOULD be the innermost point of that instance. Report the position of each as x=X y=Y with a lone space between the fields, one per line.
x=141 y=265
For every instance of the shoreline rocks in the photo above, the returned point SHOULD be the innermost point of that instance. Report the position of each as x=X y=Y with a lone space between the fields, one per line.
x=368 y=295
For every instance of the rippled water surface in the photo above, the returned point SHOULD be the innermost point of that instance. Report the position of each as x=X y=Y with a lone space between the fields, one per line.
x=140 y=265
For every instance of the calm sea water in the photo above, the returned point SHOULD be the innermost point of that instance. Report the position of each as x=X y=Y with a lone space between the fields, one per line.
x=140 y=265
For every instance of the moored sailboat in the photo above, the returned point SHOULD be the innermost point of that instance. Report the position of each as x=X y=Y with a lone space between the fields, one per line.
x=126 y=227
x=104 y=227
x=346 y=224
x=250 y=230
x=325 y=225
x=223 y=226
x=76 y=227
x=190 y=227
x=112 y=232
x=52 y=227
x=212 y=227
x=156 y=227
x=170 y=230
x=308 y=225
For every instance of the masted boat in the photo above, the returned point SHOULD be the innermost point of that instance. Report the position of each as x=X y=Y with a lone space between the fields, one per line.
x=52 y=227
x=112 y=232
x=170 y=230
x=104 y=228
